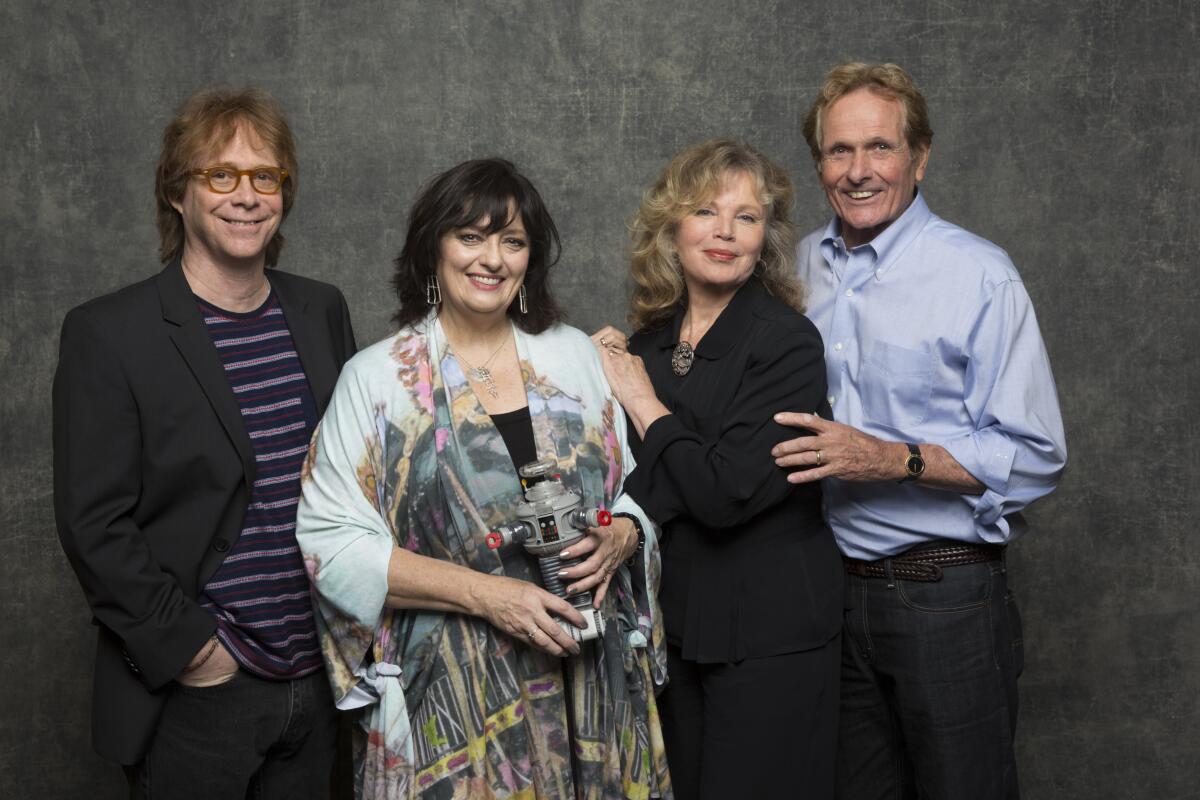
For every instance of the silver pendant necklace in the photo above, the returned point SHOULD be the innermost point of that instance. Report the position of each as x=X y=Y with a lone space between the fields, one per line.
x=482 y=374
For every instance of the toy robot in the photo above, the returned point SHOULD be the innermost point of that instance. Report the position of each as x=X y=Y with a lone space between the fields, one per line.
x=551 y=519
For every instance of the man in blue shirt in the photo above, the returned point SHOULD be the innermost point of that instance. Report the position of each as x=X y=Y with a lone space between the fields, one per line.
x=947 y=426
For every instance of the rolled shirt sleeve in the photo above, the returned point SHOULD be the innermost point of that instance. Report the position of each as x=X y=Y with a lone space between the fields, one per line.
x=1018 y=449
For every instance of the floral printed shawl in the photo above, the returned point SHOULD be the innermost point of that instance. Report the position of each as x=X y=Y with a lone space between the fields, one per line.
x=406 y=456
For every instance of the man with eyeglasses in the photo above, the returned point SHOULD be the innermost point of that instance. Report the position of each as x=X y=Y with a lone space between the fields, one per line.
x=183 y=408
x=947 y=426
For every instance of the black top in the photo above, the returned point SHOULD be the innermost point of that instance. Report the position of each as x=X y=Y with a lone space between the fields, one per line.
x=749 y=567
x=516 y=429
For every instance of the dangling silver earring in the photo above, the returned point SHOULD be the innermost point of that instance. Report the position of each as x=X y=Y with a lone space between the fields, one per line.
x=433 y=292
x=521 y=304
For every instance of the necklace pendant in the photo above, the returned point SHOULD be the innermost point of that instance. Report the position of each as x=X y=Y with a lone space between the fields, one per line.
x=681 y=358
x=482 y=374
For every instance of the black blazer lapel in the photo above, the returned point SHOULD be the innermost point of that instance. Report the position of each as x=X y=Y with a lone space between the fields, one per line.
x=191 y=338
x=310 y=334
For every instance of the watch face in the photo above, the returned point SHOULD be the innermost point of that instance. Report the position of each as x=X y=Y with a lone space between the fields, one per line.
x=915 y=465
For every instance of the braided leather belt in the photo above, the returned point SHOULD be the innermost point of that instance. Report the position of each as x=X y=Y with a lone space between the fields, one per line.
x=926 y=561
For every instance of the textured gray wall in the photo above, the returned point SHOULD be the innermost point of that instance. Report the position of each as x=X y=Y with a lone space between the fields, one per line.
x=1065 y=131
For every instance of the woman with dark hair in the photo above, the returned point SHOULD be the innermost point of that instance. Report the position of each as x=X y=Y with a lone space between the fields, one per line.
x=751 y=589
x=474 y=680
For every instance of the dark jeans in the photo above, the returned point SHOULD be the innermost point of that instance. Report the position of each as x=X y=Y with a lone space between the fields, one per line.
x=760 y=728
x=246 y=738
x=929 y=687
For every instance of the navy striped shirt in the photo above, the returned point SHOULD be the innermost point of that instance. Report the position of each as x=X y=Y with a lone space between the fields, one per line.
x=260 y=593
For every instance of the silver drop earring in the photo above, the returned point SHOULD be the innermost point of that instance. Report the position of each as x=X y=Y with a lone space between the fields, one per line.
x=521 y=304
x=433 y=292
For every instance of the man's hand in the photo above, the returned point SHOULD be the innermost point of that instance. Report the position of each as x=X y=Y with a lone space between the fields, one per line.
x=210 y=666
x=837 y=451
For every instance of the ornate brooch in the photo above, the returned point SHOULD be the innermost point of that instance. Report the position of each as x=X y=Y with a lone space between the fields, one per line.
x=682 y=357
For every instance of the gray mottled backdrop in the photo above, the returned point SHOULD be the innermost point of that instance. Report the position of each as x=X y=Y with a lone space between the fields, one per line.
x=1064 y=131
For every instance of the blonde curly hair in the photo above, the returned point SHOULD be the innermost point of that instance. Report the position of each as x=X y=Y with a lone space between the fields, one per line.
x=692 y=178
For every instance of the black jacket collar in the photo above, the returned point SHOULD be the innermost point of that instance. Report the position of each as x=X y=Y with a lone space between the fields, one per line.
x=729 y=325
x=192 y=339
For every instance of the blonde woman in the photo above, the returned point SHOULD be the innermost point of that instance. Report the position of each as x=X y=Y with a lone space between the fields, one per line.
x=752 y=580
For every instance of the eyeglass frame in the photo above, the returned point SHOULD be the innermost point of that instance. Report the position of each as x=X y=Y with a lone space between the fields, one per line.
x=240 y=173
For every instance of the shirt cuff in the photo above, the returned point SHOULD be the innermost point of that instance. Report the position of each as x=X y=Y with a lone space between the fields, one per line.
x=987 y=455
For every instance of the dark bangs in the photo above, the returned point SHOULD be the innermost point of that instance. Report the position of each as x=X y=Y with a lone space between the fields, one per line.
x=465 y=196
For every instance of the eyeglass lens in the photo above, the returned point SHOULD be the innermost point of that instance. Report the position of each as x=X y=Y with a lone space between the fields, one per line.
x=265 y=180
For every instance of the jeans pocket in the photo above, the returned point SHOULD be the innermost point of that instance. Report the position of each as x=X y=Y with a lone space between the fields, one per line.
x=961 y=588
x=951 y=625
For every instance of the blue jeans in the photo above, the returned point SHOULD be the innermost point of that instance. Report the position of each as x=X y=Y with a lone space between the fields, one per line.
x=929 y=687
x=246 y=738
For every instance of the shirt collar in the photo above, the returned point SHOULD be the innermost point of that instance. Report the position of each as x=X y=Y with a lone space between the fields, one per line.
x=888 y=245
x=729 y=326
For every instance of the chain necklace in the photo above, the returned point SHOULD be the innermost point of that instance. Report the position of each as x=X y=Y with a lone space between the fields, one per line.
x=482 y=374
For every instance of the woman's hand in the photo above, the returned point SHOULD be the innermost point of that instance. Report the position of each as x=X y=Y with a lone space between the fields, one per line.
x=609 y=338
x=603 y=550
x=524 y=611
x=627 y=376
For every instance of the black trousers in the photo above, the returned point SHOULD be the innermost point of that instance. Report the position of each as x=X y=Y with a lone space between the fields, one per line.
x=760 y=728
x=245 y=738
x=929 y=687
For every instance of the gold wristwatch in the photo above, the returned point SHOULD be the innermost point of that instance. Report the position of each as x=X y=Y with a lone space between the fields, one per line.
x=914 y=464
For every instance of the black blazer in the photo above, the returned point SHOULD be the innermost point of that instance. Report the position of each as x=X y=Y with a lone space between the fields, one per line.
x=152 y=474
x=749 y=567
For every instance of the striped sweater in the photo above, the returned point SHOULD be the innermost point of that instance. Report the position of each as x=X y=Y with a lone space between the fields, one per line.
x=260 y=593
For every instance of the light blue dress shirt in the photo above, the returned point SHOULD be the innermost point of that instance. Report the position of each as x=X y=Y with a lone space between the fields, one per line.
x=931 y=337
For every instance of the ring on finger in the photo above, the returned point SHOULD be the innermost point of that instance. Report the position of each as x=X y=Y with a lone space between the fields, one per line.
x=818 y=458
x=532 y=634
x=603 y=342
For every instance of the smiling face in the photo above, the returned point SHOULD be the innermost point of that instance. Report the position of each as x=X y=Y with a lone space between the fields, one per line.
x=479 y=272
x=720 y=242
x=230 y=231
x=867 y=170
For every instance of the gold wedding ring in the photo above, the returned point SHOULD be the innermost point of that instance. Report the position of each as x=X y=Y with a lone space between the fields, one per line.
x=818 y=458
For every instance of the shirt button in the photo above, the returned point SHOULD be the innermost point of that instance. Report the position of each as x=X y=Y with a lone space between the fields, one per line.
x=837 y=346
x=832 y=399
x=220 y=545
x=849 y=293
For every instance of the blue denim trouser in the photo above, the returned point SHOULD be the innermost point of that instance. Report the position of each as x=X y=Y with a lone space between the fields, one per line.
x=246 y=738
x=929 y=687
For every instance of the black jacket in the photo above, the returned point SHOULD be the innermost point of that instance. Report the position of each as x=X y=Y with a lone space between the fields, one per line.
x=749 y=567
x=152 y=474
